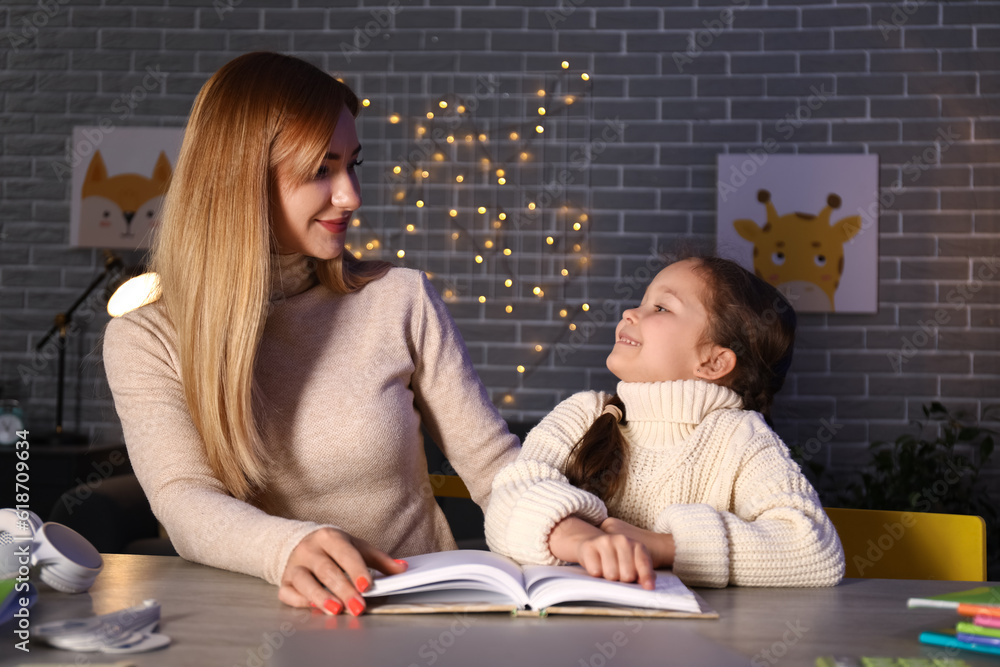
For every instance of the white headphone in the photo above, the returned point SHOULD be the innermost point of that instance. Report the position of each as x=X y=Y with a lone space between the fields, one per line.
x=66 y=561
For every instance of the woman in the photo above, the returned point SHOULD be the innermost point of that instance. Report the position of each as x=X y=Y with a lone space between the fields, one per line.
x=272 y=398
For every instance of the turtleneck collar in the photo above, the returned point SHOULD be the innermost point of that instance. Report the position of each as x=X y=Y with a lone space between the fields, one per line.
x=292 y=274
x=678 y=401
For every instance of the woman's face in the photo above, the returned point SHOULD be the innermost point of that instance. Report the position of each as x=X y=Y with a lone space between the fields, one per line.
x=312 y=217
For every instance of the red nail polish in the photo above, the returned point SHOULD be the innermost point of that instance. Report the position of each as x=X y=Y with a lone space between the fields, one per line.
x=356 y=606
x=401 y=562
x=333 y=606
x=362 y=584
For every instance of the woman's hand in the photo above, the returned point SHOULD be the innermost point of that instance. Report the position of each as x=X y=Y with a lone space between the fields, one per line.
x=660 y=545
x=601 y=554
x=328 y=570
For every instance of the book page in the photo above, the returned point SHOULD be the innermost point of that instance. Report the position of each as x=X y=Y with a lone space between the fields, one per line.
x=549 y=585
x=455 y=570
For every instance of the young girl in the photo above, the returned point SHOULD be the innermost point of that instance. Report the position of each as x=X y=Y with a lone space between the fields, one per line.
x=679 y=468
x=272 y=398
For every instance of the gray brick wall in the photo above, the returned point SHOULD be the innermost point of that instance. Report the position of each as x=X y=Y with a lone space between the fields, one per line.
x=687 y=79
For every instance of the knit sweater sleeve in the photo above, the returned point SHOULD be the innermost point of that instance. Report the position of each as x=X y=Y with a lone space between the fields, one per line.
x=775 y=534
x=205 y=524
x=532 y=495
x=454 y=406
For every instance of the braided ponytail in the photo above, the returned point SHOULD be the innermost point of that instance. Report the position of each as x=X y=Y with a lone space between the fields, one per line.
x=598 y=461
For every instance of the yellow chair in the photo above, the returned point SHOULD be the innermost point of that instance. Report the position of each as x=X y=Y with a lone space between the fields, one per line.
x=880 y=544
x=449 y=486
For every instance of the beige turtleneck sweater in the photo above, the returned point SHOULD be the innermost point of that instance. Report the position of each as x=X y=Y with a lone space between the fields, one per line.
x=699 y=467
x=346 y=381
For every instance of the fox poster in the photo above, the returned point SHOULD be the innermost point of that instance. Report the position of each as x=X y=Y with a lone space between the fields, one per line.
x=807 y=224
x=120 y=175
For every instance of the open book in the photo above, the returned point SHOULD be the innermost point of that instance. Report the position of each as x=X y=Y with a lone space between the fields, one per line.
x=471 y=580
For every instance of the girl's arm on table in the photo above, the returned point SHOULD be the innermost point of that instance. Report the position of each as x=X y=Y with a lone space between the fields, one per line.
x=616 y=556
x=532 y=495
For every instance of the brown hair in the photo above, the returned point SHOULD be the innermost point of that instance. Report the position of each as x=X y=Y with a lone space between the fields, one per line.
x=746 y=315
x=213 y=252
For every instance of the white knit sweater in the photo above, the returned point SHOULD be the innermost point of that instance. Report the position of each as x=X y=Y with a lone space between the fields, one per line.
x=346 y=382
x=699 y=467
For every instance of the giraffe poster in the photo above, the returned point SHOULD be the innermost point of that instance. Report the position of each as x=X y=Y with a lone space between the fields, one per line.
x=807 y=224
x=120 y=175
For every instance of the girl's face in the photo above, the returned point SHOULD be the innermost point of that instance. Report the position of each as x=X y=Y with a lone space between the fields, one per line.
x=663 y=339
x=312 y=217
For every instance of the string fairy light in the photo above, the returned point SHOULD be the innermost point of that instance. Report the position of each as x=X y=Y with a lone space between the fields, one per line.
x=487 y=240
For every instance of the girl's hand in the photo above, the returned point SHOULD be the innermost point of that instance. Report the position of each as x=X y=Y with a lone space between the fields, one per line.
x=328 y=570
x=661 y=546
x=613 y=557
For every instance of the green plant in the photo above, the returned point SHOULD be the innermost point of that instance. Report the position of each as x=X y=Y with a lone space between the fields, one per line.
x=938 y=474
x=928 y=475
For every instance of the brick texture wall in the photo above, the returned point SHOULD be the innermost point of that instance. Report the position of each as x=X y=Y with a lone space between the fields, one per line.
x=671 y=85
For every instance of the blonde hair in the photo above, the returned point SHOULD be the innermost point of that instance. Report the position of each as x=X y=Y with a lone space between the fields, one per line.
x=214 y=249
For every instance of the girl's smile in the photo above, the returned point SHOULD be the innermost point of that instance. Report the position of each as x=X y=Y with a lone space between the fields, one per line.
x=663 y=338
x=625 y=340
